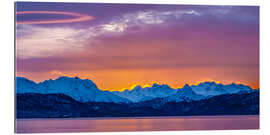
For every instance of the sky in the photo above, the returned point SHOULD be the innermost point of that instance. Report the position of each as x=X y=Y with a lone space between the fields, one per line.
x=119 y=46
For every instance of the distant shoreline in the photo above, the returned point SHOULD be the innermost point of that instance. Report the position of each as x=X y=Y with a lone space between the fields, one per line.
x=142 y=117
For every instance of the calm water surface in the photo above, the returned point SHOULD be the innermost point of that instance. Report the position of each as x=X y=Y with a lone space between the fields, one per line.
x=136 y=124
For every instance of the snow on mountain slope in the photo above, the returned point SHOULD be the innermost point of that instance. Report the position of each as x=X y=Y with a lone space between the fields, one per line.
x=81 y=90
x=138 y=93
x=85 y=90
x=185 y=93
x=24 y=85
x=213 y=89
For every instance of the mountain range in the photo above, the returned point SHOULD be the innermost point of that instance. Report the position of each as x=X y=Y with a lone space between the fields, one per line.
x=79 y=89
x=85 y=90
x=75 y=97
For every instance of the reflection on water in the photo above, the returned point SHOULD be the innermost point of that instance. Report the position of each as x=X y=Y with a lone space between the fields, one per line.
x=136 y=124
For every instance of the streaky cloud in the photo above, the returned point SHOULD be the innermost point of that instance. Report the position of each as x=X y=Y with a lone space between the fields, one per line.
x=78 y=17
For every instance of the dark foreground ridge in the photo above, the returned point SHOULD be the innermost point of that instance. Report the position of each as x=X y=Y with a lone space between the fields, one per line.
x=30 y=105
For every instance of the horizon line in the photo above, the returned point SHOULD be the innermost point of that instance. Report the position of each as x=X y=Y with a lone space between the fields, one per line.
x=147 y=85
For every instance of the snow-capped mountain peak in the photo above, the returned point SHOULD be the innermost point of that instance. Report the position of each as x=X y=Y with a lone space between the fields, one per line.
x=138 y=87
x=186 y=90
x=23 y=85
x=68 y=83
x=213 y=89
x=185 y=93
x=138 y=93
x=83 y=90
x=155 y=85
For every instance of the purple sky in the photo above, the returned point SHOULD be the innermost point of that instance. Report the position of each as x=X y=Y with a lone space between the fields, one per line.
x=127 y=44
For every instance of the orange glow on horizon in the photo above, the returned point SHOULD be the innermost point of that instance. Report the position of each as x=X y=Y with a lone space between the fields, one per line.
x=120 y=80
x=142 y=85
x=181 y=85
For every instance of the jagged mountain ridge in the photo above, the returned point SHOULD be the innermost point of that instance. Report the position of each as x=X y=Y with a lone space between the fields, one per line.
x=214 y=89
x=82 y=90
x=138 y=93
x=85 y=90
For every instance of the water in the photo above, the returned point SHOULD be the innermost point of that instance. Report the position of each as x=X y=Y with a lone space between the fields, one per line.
x=136 y=124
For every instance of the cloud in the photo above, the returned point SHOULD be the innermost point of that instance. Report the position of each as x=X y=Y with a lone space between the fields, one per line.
x=113 y=27
x=190 y=44
x=142 y=18
x=33 y=41
x=36 y=41
x=78 y=17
